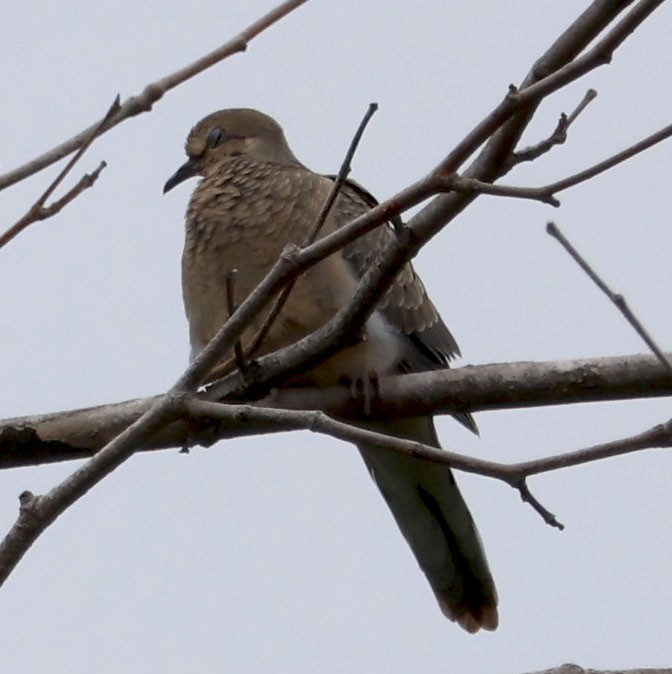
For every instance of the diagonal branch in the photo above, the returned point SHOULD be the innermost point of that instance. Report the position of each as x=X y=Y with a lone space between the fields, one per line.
x=38 y=211
x=558 y=137
x=616 y=298
x=153 y=92
x=546 y=193
x=614 y=160
x=343 y=173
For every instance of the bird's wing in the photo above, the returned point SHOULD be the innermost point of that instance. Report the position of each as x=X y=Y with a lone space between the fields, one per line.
x=429 y=345
x=426 y=342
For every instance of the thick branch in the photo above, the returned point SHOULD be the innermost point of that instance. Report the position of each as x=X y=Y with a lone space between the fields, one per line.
x=75 y=434
x=37 y=512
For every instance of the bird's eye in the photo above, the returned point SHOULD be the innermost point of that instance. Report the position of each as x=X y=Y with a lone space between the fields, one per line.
x=215 y=137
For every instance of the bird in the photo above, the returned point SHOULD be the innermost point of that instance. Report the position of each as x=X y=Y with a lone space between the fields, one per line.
x=254 y=197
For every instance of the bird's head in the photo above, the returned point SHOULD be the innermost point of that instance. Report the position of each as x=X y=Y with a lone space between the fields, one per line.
x=226 y=134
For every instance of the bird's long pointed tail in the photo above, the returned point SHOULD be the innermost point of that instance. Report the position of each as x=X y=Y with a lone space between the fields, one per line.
x=436 y=523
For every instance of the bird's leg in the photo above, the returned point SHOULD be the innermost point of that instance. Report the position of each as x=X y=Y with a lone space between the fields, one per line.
x=371 y=386
x=367 y=388
x=232 y=306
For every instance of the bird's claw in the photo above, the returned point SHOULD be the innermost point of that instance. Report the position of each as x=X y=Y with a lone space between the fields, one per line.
x=366 y=388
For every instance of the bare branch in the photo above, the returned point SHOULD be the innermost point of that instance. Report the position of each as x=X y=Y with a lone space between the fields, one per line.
x=77 y=434
x=558 y=137
x=557 y=68
x=153 y=92
x=528 y=497
x=612 y=161
x=616 y=298
x=38 y=211
x=545 y=193
x=38 y=512
x=599 y=55
x=460 y=184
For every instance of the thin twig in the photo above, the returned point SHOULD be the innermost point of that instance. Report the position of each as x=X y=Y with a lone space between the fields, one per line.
x=461 y=184
x=528 y=497
x=545 y=193
x=589 y=96
x=558 y=137
x=616 y=298
x=656 y=437
x=612 y=161
x=344 y=171
x=38 y=211
x=153 y=92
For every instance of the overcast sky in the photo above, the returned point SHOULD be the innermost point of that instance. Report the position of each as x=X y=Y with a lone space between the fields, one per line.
x=277 y=554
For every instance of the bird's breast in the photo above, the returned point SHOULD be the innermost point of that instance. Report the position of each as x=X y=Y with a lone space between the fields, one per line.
x=242 y=221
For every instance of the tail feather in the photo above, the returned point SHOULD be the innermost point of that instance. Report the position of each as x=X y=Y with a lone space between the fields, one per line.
x=435 y=521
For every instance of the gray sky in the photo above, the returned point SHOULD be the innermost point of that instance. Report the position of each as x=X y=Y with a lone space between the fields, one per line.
x=278 y=554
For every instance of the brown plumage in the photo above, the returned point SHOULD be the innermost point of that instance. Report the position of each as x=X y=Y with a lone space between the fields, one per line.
x=254 y=198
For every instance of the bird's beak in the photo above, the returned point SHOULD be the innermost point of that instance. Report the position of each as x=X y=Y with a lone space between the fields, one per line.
x=189 y=169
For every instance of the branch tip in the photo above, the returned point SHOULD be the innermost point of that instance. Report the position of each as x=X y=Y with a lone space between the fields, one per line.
x=616 y=298
x=527 y=497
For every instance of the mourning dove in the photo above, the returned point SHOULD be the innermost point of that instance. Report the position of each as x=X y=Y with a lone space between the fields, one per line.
x=255 y=198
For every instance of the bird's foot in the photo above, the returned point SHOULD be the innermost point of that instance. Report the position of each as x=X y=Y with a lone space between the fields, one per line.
x=366 y=388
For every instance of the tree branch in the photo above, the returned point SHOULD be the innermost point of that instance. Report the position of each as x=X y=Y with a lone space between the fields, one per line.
x=558 y=137
x=60 y=436
x=153 y=92
x=38 y=211
x=575 y=669
x=341 y=177
x=616 y=298
x=546 y=193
